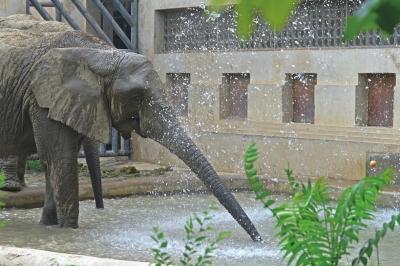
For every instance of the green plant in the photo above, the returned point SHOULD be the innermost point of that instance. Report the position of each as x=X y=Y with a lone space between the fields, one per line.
x=2 y=204
x=311 y=230
x=2 y=178
x=199 y=246
x=366 y=251
x=35 y=165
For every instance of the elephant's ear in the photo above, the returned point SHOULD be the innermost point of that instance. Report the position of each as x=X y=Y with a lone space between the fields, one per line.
x=64 y=81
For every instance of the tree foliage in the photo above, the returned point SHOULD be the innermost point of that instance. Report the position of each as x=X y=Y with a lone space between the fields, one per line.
x=311 y=230
x=383 y=15
x=276 y=13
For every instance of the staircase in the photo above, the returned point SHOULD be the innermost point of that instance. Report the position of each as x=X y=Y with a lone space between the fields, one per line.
x=119 y=17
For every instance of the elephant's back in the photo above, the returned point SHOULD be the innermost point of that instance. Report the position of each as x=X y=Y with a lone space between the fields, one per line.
x=25 y=30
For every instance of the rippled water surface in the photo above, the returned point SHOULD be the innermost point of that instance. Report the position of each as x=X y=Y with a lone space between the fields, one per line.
x=122 y=230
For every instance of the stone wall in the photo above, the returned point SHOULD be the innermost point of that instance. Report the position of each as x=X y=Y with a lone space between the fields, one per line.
x=333 y=146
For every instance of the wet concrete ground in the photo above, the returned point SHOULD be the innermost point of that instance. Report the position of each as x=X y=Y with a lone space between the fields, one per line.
x=122 y=230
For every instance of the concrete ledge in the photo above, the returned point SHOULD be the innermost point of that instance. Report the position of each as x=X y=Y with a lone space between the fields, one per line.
x=10 y=256
x=179 y=182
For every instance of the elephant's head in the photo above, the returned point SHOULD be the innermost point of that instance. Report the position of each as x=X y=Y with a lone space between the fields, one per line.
x=91 y=90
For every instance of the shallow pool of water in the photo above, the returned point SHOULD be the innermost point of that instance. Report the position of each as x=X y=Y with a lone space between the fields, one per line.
x=122 y=230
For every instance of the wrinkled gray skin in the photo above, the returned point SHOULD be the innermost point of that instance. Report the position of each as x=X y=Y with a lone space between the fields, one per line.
x=14 y=170
x=70 y=85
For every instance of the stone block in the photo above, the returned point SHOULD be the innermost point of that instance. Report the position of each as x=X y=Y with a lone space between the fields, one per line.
x=335 y=105
x=383 y=161
x=265 y=103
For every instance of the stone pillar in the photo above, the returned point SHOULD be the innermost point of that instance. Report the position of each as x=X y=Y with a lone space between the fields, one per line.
x=265 y=103
x=335 y=105
x=361 y=109
x=10 y=7
x=396 y=104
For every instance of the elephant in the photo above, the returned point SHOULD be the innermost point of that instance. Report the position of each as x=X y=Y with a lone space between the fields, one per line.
x=62 y=86
x=14 y=169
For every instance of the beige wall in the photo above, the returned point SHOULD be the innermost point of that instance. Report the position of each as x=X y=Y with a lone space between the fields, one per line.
x=9 y=7
x=333 y=146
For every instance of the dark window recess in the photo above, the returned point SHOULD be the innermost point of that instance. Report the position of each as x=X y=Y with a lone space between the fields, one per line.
x=303 y=97
x=234 y=95
x=124 y=26
x=178 y=84
x=380 y=99
x=109 y=145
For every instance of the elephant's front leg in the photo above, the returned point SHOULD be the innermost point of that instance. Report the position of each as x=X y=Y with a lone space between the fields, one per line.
x=49 y=212
x=58 y=147
x=63 y=179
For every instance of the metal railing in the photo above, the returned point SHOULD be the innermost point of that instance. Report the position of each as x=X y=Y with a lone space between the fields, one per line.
x=118 y=146
x=314 y=24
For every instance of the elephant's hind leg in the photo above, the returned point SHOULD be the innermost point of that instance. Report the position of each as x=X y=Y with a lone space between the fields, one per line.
x=14 y=169
x=21 y=166
x=11 y=182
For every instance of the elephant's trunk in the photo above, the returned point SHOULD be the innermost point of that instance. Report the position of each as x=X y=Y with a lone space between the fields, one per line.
x=165 y=129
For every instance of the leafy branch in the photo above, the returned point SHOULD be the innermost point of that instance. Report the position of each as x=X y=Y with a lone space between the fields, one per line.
x=276 y=14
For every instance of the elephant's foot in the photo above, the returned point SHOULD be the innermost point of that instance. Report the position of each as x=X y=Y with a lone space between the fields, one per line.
x=68 y=223
x=11 y=185
x=49 y=217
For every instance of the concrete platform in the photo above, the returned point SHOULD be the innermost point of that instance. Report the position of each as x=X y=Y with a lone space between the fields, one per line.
x=11 y=256
x=156 y=179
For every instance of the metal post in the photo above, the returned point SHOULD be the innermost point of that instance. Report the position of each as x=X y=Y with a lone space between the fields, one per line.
x=28 y=7
x=127 y=147
x=92 y=21
x=58 y=15
x=114 y=141
x=134 y=28
x=67 y=17
x=102 y=149
x=41 y=10
x=114 y=24
x=121 y=9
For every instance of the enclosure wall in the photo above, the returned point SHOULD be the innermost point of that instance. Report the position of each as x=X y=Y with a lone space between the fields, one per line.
x=334 y=145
